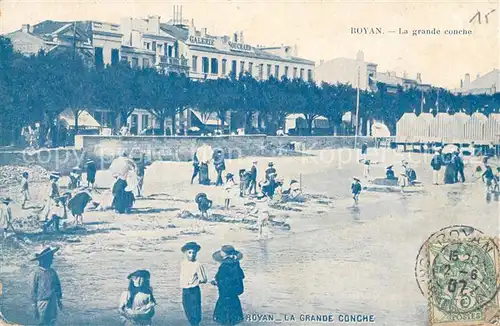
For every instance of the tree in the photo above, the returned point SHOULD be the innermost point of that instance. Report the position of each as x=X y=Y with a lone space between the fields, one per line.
x=153 y=94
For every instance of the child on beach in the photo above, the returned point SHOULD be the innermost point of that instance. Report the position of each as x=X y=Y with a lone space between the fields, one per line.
x=47 y=292
x=56 y=213
x=229 y=189
x=25 y=189
x=366 y=172
x=356 y=189
x=5 y=216
x=204 y=204
x=75 y=178
x=243 y=181
x=192 y=275
x=91 y=172
x=137 y=304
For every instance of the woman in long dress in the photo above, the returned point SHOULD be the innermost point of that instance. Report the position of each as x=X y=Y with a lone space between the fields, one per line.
x=229 y=280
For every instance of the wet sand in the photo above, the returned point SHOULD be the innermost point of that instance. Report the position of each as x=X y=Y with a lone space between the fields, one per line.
x=336 y=258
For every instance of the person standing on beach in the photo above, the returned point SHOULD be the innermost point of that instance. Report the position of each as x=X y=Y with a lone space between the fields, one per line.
x=243 y=180
x=459 y=167
x=141 y=169
x=436 y=164
x=270 y=170
x=25 y=189
x=366 y=171
x=196 y=167
x=91 y=173
x=252 y=189
x=5 y=216
x=229 y=189
x=356 y=189
x=488 y=178
x=364 y=150
x=192 y=275
x=137 y=304
x=229 y=281
x=47 y=292
x=219 y=165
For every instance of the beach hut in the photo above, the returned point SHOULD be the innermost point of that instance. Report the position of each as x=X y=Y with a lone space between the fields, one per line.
x=474 y=128
x=440 y=127
x=422 y=127
x=457 y=128
x=492 y=129
x=405 y=128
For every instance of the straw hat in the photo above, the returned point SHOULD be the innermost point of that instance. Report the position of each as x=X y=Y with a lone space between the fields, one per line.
x=55 y=175
x=389 y=167
x=45 y=252
x=6 y=200
x=270 y=164
x=199 y=196
x=355 y=179
x=227 y=254
x=140 y=273
x=191 y=246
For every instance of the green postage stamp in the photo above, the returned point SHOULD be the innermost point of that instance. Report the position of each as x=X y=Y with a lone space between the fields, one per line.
x=464 y=282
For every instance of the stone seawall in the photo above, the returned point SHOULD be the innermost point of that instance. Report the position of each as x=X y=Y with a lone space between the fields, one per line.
x=60 y=159
x=103 y=149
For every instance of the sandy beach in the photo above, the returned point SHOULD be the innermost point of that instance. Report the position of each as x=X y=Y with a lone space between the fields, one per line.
x=352 y=259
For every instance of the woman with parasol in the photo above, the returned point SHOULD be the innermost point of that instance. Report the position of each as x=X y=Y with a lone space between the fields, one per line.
x=204 y=154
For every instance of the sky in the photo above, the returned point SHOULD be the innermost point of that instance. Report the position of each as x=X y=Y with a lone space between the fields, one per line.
x=320 y=29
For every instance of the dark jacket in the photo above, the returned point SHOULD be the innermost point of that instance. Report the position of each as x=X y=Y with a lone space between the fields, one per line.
x=230 y=280
x=253 y=173
x=437 y=162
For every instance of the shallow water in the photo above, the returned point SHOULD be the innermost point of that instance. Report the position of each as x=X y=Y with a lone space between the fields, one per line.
x=353 y=259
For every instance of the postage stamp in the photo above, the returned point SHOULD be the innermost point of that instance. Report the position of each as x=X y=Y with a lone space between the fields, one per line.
x=464 y=278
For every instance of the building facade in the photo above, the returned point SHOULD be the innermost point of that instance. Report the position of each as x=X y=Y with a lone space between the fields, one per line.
x=487 y=84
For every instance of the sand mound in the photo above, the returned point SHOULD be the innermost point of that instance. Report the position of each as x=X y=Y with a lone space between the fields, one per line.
x=12 y=174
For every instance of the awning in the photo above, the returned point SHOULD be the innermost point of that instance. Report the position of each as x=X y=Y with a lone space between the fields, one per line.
x=85 y=120
x=208 y=119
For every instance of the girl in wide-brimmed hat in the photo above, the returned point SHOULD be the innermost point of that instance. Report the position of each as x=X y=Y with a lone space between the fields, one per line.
x=192 y=275
x=137 y=304
x=47 y=293
x=355 y=189
x=229 y=190
x=229 y=280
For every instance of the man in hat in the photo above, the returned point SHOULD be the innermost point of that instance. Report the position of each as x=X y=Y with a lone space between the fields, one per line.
x=356 y=189
x=270 y=171
x=252 y=189
x=364 y=151
x=436 y=164
x=192 y=275
x=47 y=292
x=5 y=216
x=141 y=169
x=56 y=213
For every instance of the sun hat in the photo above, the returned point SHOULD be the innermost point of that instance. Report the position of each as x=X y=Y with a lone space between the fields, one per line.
x=6 y=200
x=45 y=252
x=199 y=196
x=227 y=254
x=355 y=178
x=55 y=175
x=270 y=164
x=389 y=167
x=140 y=273
x=191 y=246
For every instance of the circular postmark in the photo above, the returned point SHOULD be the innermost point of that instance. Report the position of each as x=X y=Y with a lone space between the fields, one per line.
x=453 y=232
x=464 y=275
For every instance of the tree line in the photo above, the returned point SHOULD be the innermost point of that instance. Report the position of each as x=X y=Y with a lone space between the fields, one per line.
x=38 y=88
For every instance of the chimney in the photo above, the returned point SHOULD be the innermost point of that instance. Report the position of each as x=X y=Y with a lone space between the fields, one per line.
x=295 y=50
x=241 y=37
x=419 y=77
x=203 y=32
x=26 y=28
x=235 y=37
x=154 y=24
x=461 y=83
x=405 y=75
x=360 y=56
x=173 y=16
x=467 y=80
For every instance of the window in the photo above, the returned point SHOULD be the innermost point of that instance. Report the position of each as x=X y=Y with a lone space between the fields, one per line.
x=301 y=73
x=170 y=50
x=135 y=62
x=99 y=59
x=154 y=46
x=145 y=63
x=233 y=68
x=277 y=71
x=286 y=71
x=261 y=69
x=124 y=58
x=250 y=67
x=268 y=71
x=242 y=67
x=146 y=45
x=194 y=64
x=295 y=72
x=134 y=120
x=115 y=55
x=204 y=65
x=145 y=121
x=309 y=75
x=224 y=62
x=214 y=66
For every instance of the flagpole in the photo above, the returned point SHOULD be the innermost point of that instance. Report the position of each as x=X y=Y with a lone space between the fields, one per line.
x=422 y=101
x=357 y=111
x=437 y=101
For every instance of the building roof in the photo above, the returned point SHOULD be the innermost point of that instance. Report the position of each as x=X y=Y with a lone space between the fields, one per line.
x=85 y=120
x=483 y=84
x=177 y=32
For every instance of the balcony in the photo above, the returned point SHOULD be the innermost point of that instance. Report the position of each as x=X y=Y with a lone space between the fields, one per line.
x=170 y=61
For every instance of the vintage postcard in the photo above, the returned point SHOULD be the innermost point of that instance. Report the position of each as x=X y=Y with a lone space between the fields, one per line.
x=249 y=162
